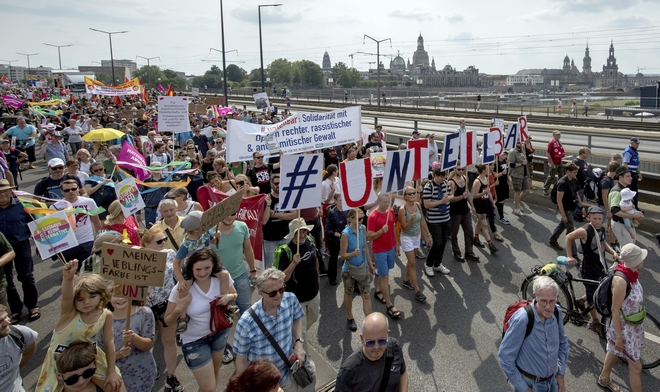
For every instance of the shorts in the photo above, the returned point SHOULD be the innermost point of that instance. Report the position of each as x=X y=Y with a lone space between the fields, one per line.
x=349 y=284
x=159 y=312
x=481 y=206
x=520 y=184
x=198 y=353
x=384 y=262
x=408 y=244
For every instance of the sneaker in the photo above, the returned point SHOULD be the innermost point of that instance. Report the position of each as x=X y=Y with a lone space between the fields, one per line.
x=458 y=257
x=419 y=296
x=420 y=254
x=407 y=285
x=478 y=243
x=442 y=269
x=350 y=323
x=505 y=221
x=228 y=356
x=429 y=271
x=471 y=256
x=172 y=384
x=517 y=212
x=492 y=248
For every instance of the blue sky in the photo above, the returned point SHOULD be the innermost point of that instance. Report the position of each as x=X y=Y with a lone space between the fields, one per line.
x=497 y=37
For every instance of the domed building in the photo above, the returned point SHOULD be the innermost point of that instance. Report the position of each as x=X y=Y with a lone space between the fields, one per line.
x=398 y=66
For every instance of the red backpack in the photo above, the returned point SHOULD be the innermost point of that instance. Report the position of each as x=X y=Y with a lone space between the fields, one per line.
x=527 y=304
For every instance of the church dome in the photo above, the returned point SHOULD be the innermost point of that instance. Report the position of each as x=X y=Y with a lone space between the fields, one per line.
x=398 y=62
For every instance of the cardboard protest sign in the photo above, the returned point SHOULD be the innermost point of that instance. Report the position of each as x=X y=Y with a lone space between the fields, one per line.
x=133 y=291
x=378 y=160
x=52 y=234
x=220 y=211
x=261 y=100
x=303 y=131
x=356 y=183
x=133 y=266
x=218 y=101
x=173 y=114
x=129 y=196
x=197 y=108
x=195 y=91
x=300 y=181
x=131 y=114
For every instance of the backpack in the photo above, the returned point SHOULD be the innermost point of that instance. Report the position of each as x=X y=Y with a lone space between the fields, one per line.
x=17 y=337
x=285 y=248
x=603 y=293
x=527 y=304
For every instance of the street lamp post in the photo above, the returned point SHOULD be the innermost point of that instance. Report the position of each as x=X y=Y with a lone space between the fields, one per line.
x=377 y=62
x=261 y=46
x=9 y=62
x=112 y=60
x=59 y=54
x=148 y=65
x=28 y=59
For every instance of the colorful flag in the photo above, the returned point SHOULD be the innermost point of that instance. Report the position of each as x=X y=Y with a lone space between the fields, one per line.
x=131 y=154
x=160 y=88
x=170 y=91
x=12 y=102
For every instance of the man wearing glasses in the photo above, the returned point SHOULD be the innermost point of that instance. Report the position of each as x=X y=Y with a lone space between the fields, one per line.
x=259 y=174
x=201 y=141
x=50 y=186
x=379 y=365
x=282 y=315
x=86 y=225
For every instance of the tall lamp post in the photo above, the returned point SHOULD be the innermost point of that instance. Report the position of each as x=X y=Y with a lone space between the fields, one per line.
x=9 y=62
x=261 y=46
x=59 y=54
x=28 y=59
x=148 y=65
x=377 y=61
x=112 y=60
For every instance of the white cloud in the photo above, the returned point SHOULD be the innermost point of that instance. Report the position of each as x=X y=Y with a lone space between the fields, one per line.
x=418 y=16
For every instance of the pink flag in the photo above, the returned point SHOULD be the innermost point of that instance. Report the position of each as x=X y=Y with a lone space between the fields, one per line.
x=12 y=102
x=130 y=154
x=160 y=88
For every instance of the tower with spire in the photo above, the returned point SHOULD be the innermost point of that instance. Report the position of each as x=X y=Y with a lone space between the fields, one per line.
x=326 y=60
x=421 y=56
x=586 y=62
x=611 y=69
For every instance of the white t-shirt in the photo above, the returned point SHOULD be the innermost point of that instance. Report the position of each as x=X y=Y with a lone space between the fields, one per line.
x=10 y=358
x=199 y=308
x=325 y=189
x=72 y=131
x=84 y=230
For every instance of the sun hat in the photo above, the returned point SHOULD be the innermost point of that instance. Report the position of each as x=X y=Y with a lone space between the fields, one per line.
x=296 y=225
x=632 y=255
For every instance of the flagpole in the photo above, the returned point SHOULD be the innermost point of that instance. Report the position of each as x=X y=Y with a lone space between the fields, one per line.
x=298 y=234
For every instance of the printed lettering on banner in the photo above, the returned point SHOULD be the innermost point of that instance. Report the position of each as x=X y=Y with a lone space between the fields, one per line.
x=296 y=134
x=451 y=151
x=356 y=183
x=93 y=86
x=421 y=164
x=492 y=146
x=220 y=211
x=173 y=114
x=511 y=138
x=378 y=160
x=522 y=128
x=468 y=154
x=300 y=181
x=133 y=266
x=129 y=196
x=52 y=234
x=261 y=100
x=400 y=168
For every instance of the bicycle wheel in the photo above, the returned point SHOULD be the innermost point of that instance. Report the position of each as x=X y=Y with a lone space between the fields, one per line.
x=564 y=300
x=650 y=354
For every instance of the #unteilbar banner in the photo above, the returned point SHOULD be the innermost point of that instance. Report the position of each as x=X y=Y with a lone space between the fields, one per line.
x=299 y=133
x=93 y=86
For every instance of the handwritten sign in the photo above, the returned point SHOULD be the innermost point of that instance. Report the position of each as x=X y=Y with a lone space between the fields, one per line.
x=133 y=291
x=173 y=114
x=53 y=234
x=197 y=108
x=219 y=101
x=129 y=196
x=136 y=266
x=220 y=211
x=131 y=114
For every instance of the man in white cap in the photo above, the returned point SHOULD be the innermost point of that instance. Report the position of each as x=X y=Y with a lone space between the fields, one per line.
x=50 y=186
x=300 y=262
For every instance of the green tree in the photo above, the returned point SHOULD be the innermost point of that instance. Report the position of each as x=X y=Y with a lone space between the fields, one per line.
x=337 y=70
x=255 y=75
x=235 y=73
x=279 y=71
x=349 y=77
x=103 y=77
x=308 y=73
x=149 y=75
x=211 y=78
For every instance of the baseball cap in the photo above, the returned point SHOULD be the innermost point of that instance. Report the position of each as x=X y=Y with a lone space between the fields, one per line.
x=4 y=141
x=634 y=140
x=632 y=255
x=415 y=132
x=594 y=210
x=192 y=221
x=627 y=194
x=57 y=134
x=55 y=162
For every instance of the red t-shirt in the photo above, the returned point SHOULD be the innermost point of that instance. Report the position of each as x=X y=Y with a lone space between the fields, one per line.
x=556 y=151
x=376 y=221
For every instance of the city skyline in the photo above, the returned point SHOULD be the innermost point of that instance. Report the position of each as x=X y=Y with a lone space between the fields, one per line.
x=499 y=40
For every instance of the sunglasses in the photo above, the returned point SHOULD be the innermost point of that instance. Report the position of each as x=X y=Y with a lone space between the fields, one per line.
x=98 y=170
x=259 y=157
x=69 y=190
x=240 y=183
x=460 y=169
x=372 y=343
x=74 y=379
x=190 y=148
x=409 y=193
x=161 y=241
x=58 y=168
x=276 y=183
x=273 y=293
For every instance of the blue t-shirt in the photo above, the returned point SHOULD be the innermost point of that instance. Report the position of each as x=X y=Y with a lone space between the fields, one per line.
x=355 y=261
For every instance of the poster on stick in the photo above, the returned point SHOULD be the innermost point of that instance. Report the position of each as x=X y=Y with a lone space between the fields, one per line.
x=133 y=266
x=300 y=181
x=261 y=100
x=129 y=196
x=218 y=101
x=220 y=211
x=52 y=234
x=378 y=160
x=173 y=114
x=304 y=131
x=356 y=183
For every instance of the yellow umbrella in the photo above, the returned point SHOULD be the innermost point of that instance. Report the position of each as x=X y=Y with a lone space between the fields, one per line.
x=102 y=135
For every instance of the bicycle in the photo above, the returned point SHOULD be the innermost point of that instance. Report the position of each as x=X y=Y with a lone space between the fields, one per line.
x=567 y=301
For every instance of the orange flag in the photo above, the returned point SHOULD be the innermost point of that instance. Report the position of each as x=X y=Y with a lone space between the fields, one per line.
x=170 y=91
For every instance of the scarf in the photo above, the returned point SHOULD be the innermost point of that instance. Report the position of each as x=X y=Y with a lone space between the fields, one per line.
x=631 y=275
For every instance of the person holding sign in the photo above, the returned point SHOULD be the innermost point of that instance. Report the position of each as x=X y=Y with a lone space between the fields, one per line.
x=116 y=221
x=82 y=317
x=483 y=204
x=412 y=227
x=202 y=349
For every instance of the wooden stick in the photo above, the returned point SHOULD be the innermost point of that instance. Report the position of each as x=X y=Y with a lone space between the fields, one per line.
x=128 y=317
x=58 y=254
x=357 y=228
x=298 y=234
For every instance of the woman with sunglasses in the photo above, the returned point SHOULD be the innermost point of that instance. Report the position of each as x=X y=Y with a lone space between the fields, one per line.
x=202 y=349
x=100 y=187
x=156 y=239
x=191 y=151
x=243 y=182
x=413 y=226
x=207 y=162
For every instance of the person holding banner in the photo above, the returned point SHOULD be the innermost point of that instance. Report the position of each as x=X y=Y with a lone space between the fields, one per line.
x=116 y=221
x=100 y=187
x=412 y=228
x=335 y=221
x=483 y=205
x=519 y=178
x=275 y=222
x=461 y=217
x=435 y=197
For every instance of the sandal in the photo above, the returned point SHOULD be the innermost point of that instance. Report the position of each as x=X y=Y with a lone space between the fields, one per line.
x=35 y=314
x=498 y=237
x=15 y=318
x=597 y=328
x=379 y=296
x=393 y=312
x=609 y=385
x=182 y=324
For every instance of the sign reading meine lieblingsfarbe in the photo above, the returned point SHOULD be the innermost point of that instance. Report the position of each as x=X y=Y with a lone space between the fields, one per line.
x=299 y=133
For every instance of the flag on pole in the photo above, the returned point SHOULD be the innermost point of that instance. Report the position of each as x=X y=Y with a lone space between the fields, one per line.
x=170 y=91
x=160 y=88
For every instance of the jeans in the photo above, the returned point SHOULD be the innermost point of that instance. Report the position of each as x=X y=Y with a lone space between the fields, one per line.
x=244 y=292
x=545 y=386
x=150 y=216
x=75 y=147
x=557 y=171
x=578 y=210
x=317 y=235
x=464 y=221
x=569 y=226
x=439 y=233
x=25 y=273
x=80 y=252
x=199 y=352
x=269 y=251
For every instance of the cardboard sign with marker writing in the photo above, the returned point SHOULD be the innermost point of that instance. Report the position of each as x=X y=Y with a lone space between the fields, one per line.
x=220 y=101
x=198 y=108
x=133 y=291
x=220 y=211
x=131 y=114
x=137 y=266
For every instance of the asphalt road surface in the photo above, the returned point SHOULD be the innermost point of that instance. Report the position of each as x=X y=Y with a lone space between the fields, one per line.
x=450 y=342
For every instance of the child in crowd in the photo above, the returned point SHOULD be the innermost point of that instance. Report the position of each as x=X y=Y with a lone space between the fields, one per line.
x=628 y=207
x=75 y=368
x=134 y=356
x=82 y=317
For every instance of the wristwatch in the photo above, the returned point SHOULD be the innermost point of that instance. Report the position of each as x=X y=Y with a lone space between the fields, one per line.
x=301 y=340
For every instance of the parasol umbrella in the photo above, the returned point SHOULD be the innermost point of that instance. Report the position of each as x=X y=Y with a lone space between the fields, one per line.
x=102 y=135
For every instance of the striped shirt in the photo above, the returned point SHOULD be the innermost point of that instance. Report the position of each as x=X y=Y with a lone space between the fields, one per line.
x=440 y=213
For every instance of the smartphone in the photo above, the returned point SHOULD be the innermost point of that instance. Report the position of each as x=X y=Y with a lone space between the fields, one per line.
x=295 y=366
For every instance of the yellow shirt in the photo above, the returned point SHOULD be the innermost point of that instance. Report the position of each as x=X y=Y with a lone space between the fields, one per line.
x=177 y=232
